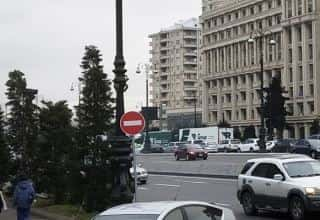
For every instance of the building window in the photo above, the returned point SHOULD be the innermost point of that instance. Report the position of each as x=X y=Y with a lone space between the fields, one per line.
x=269 y=21
x=259 y=24
x=300 y=72
x=299 y=32
x=309 y=28
x=279 y=3
x=299 y=2
x=290 y=36
x=278 y=19
x=236 y=15
x=310 y=71
x=270 y=4
x=244 y=12
x=290 y=55
x=311 y=107
x=252 y=11
x=311 y=90
x=229 y=17
x=300 y=91
x=310 y=51
x=310 y=6
x=289 y=2
x=222 y=20
x=290 y=75
x=251 y=25
x=260 y=8
x=290 y=92
x=300 y=53
x=300 y=108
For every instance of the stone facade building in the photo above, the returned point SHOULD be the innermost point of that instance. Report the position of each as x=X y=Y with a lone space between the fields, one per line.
x=175 y=86
x=231 y=64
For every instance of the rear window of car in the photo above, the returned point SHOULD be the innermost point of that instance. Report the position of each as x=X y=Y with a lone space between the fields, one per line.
x=247 y=167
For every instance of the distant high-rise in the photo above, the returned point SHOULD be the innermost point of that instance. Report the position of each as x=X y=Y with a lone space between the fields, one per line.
x=175 y=86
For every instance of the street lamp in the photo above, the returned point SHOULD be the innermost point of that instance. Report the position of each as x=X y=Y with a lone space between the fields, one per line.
x=146 y=68
x=121 y=161
x=260 y=35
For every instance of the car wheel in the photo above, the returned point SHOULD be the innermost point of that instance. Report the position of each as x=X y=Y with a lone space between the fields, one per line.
x=296 y=208
x=177 y=157
x=313 y=155
x=143 y=181
x=251 y=150
x=225 y=150
x=247 y=204
x=239 y=150
x=204 y=158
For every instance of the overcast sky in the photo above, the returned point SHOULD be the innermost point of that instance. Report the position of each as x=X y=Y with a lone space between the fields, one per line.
x=45 y=39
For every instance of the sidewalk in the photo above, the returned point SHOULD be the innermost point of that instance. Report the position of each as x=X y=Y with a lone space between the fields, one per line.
x=10 y=214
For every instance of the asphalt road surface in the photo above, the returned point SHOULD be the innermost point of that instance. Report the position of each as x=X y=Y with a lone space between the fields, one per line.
x=220 y=164
x=223 y=191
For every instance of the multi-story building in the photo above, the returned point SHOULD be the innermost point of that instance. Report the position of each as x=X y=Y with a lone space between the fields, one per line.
x=231 y=64
x=175 y=86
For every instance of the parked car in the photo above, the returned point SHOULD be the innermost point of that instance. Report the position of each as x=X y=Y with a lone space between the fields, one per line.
x=142 y=174
x=211 y=147
x=270 y=145
x=315 y=136
x=172 y=146
x=190 y=152
x=167 y=210
x=249 y=145
x=283 y=146
x=310 y=147
x=231 y=145
x=157 y=148
x=289 y=183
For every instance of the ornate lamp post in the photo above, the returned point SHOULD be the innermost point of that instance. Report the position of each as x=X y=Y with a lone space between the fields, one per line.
x=122 y=186
x=146 y=68
x=259 y=36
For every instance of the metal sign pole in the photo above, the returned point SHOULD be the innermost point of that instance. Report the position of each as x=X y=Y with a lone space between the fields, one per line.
x=134 y=169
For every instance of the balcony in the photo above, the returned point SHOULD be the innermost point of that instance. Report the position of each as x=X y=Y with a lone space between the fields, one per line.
x=189 y=88
x=190 y=54
x=189 y=97
x=164 y=64
x=189 y=80
x=190 y=36
x=164 y=48
x=190 y=45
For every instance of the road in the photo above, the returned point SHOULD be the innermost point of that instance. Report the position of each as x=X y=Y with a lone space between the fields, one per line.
x=163 y=188
x=220 y=164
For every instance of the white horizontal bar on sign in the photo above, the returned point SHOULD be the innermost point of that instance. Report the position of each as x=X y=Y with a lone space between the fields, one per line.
x=132 y=123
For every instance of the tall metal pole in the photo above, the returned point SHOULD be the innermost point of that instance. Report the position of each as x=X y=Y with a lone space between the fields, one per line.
x=147 y=144
x=122 y=186
x=262 y=142
x=195 y=111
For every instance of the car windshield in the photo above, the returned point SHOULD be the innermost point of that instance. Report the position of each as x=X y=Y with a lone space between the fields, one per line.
x=126 y=217
x=302 y=168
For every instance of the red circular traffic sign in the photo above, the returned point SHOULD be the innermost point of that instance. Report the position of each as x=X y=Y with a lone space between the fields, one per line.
x=132 y=123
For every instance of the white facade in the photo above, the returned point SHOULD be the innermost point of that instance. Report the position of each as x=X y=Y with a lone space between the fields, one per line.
x=231 y=65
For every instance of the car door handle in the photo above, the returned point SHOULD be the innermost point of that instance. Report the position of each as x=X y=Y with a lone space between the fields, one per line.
x=249 y=181
x=268 y=184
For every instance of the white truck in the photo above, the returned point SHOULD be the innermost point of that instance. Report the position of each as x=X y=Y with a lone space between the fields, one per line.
x=207 y=135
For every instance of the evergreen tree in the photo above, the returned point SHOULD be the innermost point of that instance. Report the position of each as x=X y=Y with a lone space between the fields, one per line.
x=4 y=152
x=249 y=132
x=55 y=146
x=22 y=122
x=236 y=133
x=275 y=110
x=95 y=117
x=315 y=128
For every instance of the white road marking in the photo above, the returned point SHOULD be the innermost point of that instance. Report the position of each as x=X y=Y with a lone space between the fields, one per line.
x=169 y=185
x=143 y=188
x=186 y=181
x=191 y=177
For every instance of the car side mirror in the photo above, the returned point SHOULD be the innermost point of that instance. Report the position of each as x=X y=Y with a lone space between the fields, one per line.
x=278 y=177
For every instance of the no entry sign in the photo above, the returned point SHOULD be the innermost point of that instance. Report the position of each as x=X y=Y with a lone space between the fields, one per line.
x=132 y=123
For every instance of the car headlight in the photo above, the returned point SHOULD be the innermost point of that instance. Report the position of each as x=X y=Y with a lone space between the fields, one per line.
x=310 y=191
x=191 y=152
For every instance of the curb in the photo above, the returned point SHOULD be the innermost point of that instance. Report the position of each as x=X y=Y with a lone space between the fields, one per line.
x=213 y=176
x=218 y=154
x=46 y=215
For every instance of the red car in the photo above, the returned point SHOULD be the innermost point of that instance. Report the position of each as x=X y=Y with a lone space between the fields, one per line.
x=190 y=152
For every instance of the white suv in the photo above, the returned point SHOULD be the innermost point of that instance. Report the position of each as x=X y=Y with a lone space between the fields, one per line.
x=289 y=183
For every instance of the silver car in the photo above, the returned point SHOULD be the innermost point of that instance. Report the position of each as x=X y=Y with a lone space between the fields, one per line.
x=142 y=174
x=167 y=210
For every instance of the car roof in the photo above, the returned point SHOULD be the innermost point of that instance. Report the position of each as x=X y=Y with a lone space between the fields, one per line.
x=148 y=208
x=283 y=158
